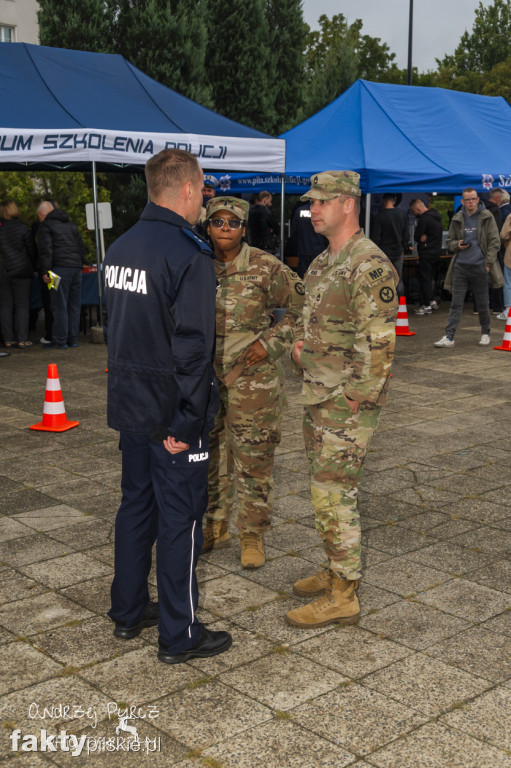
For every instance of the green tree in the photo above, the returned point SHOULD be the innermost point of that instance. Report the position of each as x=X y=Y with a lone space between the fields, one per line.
x=287 y=42
x=166 y=39
x=85 y=26
x=482 y=52
x=336 y=55
x=239 y=63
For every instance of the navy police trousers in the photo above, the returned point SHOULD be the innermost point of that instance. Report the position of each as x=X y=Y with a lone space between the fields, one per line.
x=164 y=498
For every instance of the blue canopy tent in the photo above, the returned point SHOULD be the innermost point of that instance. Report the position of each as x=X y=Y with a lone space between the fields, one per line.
x=403 y=138
x=65 y=106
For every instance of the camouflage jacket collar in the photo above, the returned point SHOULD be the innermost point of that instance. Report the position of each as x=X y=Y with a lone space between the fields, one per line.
x=345 y=251
x=239 y=264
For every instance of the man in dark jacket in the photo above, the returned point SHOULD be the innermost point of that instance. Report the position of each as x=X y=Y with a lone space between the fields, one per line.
x=304 y=243
x=160 y=289
x=61 y=250
x=428 y=236
x=263 y=228
x=390 y=233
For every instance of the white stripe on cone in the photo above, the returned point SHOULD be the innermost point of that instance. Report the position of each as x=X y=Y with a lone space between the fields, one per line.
x=53 y=409
x=52 y=385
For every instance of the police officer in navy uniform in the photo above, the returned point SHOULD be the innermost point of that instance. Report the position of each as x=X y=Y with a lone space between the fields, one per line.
x=160 y=290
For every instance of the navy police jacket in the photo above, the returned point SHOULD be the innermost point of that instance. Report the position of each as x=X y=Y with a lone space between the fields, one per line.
x=160 y=291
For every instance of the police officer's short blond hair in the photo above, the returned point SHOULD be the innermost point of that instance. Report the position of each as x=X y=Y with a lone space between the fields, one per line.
x=169 y=170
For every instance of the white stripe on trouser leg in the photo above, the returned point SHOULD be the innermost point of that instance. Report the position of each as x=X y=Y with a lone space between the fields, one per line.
x=191 y=577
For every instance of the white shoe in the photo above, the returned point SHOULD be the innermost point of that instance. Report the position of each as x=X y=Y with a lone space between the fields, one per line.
x=485 y=340
x=433 y=305
x=503 y=315
x=44 y=341
x=423 y=310
x=444 y=342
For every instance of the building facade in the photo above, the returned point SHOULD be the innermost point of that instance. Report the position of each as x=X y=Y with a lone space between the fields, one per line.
x=18 y=21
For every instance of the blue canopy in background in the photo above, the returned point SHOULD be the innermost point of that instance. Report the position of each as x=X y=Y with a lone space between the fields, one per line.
x=403 y=138
x=73 y=106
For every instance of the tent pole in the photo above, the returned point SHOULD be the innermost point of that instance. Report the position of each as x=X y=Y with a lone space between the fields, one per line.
x=96 y=232
x=367 y=227
x=282 y=186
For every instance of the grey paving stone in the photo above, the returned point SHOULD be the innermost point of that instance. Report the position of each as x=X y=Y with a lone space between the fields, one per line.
x=31 y=549
x=49 y=518
x=466 y=599
x=486 y=718
x=276 y=744
x=427 y=685
x=291 y=536
x=10 y=528
x=66 y=570
x=268 y=622
x=93 y=532
x=40 y=613
x=38 y=706
x=24 y=666
x=499 y=496
x=452 y=528
x=93 y=594
x=246 y=647
x=478 y=651
x=84 y=642
x=499 y=624
x=299 y=680
x=351 y=650
x=224 y=713
x=451 y=558
x=116 y=678
x=491 y=540
x=231 y=594
x=404 y=576
x=436 y=746
x=356 y=718
x=395 y=540
x=425 y=496
x=496 y=575
x=414 y=625
x=281 y=573
x=373 y=598
x=425 y=521
x=15 y=586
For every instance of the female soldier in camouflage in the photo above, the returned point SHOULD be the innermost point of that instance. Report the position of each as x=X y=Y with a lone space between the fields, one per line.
x=251 y=283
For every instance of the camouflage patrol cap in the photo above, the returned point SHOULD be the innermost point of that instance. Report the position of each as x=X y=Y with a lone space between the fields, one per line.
x=234 y=205
x=330 y=184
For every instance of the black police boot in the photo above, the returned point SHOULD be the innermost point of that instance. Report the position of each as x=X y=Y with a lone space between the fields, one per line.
x=149 y=619
x=209 y=644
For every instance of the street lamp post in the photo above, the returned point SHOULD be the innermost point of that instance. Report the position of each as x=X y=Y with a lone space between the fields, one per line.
x=410 y=38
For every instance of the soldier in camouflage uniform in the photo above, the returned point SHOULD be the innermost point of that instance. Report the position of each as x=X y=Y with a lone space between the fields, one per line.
x=344 y=349
x=251 y=283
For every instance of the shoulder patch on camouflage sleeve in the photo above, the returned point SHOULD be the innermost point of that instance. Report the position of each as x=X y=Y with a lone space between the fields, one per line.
x=300 y=288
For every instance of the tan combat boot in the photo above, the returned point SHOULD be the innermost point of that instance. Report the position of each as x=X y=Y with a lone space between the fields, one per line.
x=216 y=535
x=312 y=585
x=252 y=550
x=339 y=605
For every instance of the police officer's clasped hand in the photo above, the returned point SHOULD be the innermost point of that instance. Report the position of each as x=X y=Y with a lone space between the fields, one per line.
x=175 y=446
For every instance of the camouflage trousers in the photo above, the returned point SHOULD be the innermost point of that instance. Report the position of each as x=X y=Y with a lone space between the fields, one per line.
x=336 y=441
x=242 y=446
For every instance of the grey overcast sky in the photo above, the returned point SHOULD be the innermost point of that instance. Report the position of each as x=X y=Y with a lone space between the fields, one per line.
x=437 y=24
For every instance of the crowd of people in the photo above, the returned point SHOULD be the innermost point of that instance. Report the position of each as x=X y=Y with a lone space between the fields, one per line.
x=195 y=384
x=54 y=251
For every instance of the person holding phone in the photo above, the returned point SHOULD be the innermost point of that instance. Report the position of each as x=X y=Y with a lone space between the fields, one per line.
x=474 y=239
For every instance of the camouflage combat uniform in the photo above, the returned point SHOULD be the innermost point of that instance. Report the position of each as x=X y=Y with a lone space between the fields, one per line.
x=348 y=332
x=247 y=426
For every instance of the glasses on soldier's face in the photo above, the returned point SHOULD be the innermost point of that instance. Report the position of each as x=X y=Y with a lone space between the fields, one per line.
x=231 y=223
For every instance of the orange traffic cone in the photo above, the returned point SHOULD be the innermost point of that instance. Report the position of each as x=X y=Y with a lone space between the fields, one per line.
x=402 y=327
x=506 y=341
x=54 y=412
